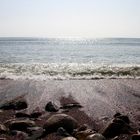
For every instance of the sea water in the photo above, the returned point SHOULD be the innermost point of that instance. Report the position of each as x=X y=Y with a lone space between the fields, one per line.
x=67 y=58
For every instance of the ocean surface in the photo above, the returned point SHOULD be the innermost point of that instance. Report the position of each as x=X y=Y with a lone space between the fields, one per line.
x=55 y=58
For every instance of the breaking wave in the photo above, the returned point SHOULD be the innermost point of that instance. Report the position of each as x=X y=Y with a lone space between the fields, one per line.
x=68 y=71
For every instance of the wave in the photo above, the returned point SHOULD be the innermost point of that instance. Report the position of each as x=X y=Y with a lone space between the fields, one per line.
x=68 y=71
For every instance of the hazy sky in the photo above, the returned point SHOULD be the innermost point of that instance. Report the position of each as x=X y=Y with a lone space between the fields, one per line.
x=70 y=18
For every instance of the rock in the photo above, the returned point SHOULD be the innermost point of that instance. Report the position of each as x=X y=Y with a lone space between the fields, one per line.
x=95 y=136
x=17 y=133
x=21 y=125
x=116 y=127
x=60 y=120
x=51 y=107
x=21 y=115
x=69 y=138
x=71 y=105
x=3 y=129
x=117 y=114
x=19 y=105
x=136 y=137
x=125 y=118
x=35 y=114
x=62 y=132
x=16 y=105
x=7 y=106
x=34 y=132
x=81 y=135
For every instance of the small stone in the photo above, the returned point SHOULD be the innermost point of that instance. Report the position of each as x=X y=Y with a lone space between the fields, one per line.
x=35 y=114
x=124 y=118
x=62 y=132
x=22 y=115
x=95 y=136
x=51 y=107
x=136 y=137
x=15 y=105
x=69 y=138
x=19 y=105
x=113 y=129
x=15 y=132
x=81 y=135
x=21 y=125
x=60 y=120
x=71 y=105
x=35 y=132
x=2 y=129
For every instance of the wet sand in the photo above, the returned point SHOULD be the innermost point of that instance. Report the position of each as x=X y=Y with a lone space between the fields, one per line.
x=100 y=99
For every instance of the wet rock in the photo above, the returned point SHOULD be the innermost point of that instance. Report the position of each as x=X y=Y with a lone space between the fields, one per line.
x=35 y=132
x=117 y=114
x=51 y=107
x=21 y=125
x=69 y=138
x=3 y=129
x=20 y=105
x=16 y=105
x=95 y=136
x=16 y=133
x=124 y=118
x=7 y=106
x=136 y=137
x=35 y=114
x=60 y=120
x=62 y=132
x=81 y=135
x=115 y=128
x=21 y=115
x=71 y=105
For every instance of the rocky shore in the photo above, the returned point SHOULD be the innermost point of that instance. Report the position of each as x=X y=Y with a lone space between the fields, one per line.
x=65 y=122
x=70 y=110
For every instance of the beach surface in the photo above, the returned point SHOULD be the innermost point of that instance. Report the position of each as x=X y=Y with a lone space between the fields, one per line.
x=100 y=99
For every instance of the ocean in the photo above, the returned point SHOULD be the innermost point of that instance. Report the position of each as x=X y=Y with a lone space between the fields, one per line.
x=67 y=58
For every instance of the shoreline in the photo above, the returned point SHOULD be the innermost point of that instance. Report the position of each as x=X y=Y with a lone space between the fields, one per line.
x=100 y=99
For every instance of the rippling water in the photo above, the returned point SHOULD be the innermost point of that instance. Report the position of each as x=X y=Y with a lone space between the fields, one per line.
x=53 y=58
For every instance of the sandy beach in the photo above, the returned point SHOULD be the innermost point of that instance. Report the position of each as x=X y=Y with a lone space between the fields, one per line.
x=100 y=99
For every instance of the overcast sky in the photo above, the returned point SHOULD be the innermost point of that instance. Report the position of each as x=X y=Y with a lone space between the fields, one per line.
x=70 y=18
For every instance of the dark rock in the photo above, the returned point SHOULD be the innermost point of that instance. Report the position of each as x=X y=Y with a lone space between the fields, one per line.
x=16 y=105
x=71 y=105
x=35 y=132
x=136 y=137
x=21 y=115
x=95 y=136
x=7 y=106
x=3 y=129
x=115 y=128
x=15 y=132
x=21 y=125
x=62 y=132
x=60 y=120
x=82 y=135
x=124 y=118
x=117 y=114
x=51 y=107
x=35 y=114
x=19 y=105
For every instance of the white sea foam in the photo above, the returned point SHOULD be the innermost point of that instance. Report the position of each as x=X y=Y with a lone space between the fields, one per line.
x=68 y=71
